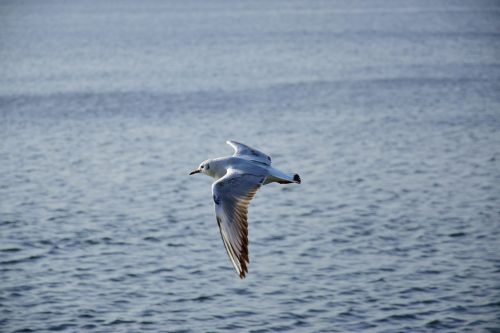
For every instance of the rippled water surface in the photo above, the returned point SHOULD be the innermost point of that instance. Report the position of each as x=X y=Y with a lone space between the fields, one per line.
x=389 y=111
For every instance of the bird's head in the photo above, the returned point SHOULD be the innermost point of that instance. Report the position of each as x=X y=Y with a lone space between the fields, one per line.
x=203 y=168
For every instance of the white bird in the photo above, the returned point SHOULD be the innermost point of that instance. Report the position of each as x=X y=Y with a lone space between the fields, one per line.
x=237 y=178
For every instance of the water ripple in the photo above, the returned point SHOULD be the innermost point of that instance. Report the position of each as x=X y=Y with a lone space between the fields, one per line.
x=394 y=228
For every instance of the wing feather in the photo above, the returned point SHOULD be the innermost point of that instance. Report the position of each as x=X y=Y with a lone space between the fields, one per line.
x=232 y=194
x=249 y=153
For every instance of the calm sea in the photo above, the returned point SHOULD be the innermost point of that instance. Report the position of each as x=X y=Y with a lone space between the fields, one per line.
x=389 y=111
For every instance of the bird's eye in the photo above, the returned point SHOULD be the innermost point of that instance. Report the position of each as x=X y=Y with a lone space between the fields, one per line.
x=202 y=166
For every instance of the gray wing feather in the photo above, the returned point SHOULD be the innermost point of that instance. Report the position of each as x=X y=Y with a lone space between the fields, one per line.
x=232 y=194
x=249 y=153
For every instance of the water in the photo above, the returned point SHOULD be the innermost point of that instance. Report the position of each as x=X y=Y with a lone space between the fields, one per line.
x=389 y=111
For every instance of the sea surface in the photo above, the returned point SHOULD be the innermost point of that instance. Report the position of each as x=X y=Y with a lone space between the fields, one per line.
x=389 y=111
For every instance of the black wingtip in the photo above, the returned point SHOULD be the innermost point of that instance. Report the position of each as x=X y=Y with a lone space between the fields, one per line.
x=296 y=178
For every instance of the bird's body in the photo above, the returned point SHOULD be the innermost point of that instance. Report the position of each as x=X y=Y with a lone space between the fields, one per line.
x=219 y=167
x=237 y=178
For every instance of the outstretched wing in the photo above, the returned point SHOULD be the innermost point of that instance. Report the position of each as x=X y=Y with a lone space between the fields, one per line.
x=248 y=153
x=232 y=194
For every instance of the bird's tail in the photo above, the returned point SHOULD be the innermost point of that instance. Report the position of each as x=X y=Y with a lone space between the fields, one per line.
x=281 y=177
x=296 y=178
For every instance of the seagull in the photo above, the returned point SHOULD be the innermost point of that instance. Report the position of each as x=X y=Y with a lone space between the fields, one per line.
x=237 y=179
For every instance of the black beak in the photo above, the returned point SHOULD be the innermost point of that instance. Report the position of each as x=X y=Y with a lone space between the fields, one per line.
x=195 y=171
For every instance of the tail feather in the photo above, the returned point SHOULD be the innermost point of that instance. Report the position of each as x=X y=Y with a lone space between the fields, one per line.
x=296 y=178
x=280 y=177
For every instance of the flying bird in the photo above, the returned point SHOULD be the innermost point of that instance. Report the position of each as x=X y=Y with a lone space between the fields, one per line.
x=237 y=179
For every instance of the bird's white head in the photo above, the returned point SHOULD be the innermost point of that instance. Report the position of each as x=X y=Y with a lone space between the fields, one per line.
x=203 y=168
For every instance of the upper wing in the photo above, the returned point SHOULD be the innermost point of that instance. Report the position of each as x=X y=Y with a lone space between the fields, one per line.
x=232 y=194
x=246 y=152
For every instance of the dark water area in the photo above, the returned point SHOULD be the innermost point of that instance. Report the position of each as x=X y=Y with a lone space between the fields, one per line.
x=389 y=111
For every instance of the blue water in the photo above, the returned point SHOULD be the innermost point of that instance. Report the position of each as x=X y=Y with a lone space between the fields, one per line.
x=389 y=111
